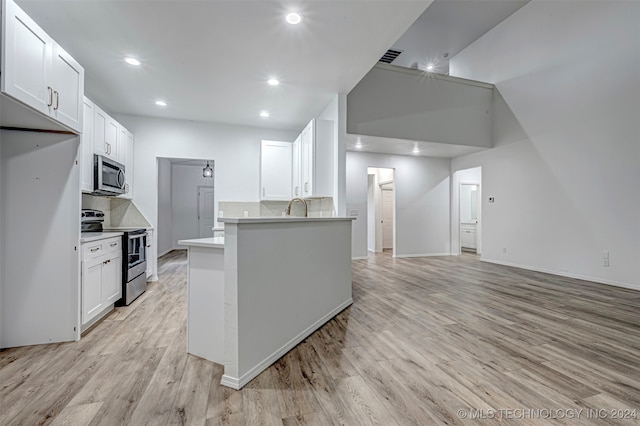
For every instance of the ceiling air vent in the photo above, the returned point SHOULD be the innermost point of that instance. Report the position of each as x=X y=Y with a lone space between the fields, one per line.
x=390 y=56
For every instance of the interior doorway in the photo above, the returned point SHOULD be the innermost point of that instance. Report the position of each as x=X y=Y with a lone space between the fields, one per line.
x=186 y=201
x=387 y=215
x=466 y=211
x=469 y=217
x=381 y=223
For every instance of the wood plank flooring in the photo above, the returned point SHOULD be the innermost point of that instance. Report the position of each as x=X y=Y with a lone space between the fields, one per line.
x=424 y=338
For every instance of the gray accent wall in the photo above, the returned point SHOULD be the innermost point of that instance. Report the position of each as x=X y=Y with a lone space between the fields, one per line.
x=402 y=103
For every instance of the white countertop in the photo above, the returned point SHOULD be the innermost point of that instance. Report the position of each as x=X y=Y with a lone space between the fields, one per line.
x=212 y=242
x=280 y=219
x=86 y=237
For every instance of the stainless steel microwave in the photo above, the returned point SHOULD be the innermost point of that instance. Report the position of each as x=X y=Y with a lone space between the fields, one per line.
x=108 y=176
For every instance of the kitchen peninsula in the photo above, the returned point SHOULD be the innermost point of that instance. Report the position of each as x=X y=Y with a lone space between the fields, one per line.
x=263 y=288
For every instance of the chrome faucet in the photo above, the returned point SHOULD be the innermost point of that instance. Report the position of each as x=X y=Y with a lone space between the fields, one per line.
x=292 y=201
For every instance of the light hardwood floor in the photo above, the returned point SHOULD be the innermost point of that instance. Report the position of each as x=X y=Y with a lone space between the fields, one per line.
x=425 y=338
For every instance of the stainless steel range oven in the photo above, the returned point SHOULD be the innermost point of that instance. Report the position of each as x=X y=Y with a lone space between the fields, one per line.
x=134 y=278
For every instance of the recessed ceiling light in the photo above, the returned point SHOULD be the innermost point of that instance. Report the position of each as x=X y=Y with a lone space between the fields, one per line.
x=359 y=145
x=293 y=18
x=273 y=82
x=161 y=103
x=264 y=114
x=132 y=61
x=416 y=150
x=430 y=67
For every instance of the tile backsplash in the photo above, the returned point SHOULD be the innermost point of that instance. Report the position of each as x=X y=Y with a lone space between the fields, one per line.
x=98 y=203
x=317 y=207
x=118 y=212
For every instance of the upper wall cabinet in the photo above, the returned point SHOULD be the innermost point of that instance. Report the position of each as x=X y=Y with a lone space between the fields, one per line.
x=125 y=151
x=315 y=164
x=103 y=135
x=275 y=170
x=296 y=178
x=38 y=72
x=86 y=145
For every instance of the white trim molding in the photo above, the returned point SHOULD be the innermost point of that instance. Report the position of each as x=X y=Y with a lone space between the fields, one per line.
x=239 y=382
x=563 y=274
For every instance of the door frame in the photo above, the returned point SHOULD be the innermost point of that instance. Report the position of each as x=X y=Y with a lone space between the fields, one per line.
x=478 y=213
x=380 y=234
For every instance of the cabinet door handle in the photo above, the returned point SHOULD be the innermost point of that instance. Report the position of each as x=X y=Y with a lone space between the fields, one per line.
x=108 y=148
x=50 y=96
x=306 y=187
x=113 y=244
x=297 y=190
x=149 y=246
x=57 y=100
x=93 y=250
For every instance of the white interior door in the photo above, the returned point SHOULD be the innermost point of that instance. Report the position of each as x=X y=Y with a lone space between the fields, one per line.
x=387 y=218
x=205 y=211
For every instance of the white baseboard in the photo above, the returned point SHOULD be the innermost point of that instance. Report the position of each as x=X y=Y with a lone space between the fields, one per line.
x=359 y=257
x=563 y=274
x=237 y=383
x=422 y=255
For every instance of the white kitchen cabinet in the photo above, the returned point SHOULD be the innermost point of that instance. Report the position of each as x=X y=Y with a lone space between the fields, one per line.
x=105 y=134
x=68 y=87
x=296 y=177
x=38 y=72
x=316 y=159
x=112 y=278
x=129 y=166
x=275 y=170
x=91 y=289
x=125 y=156
x=306 y=160
x=86 y=145
x=101 y=277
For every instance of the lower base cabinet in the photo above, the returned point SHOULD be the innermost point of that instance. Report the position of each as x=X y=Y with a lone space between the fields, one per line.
x=468 y=236
x=101 y=276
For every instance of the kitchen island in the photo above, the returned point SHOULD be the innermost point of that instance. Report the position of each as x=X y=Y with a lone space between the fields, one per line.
x=282 y=278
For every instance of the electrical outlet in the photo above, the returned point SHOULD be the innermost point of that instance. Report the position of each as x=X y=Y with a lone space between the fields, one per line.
x=246 y=213
x=605 y=258
x=220 y=213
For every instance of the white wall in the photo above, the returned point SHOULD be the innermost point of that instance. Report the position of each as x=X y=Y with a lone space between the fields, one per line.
x=422 y=202
x=402 y=103
x=235 y=150
x=566 y=164
x=184 y=189
x=164 y=232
